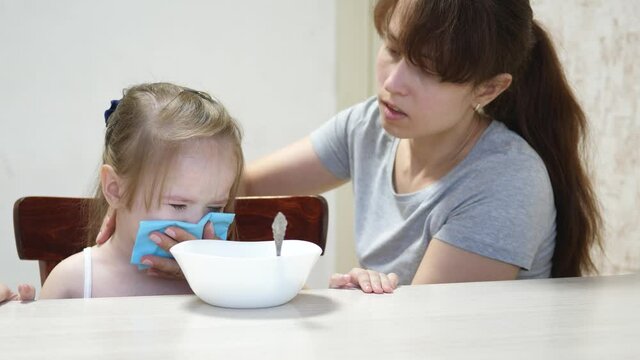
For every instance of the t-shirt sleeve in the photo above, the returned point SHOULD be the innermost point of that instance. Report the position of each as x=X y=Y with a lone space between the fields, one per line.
x=505 y=213
x=333 y=141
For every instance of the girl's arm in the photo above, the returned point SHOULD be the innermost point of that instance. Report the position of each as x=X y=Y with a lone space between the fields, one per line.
x=65 y=280
x=293 y=170
x=444 y=263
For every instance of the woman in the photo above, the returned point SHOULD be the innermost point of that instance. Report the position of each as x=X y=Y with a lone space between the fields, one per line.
x=466 y=166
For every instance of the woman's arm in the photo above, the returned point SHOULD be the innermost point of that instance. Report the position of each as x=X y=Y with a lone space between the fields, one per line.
x=293 y=170
x=444 y=263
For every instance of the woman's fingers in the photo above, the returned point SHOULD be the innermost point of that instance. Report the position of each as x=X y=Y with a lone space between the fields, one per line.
x=340 y=281
x=163 y=240
x=389 y=282
x=169 y=268
x=26 y=292
x=394 y=280
x=165 y=267
x=368 y=281
x=363 y=279
x=162 y=267
x=209 y=233
x=107 y=228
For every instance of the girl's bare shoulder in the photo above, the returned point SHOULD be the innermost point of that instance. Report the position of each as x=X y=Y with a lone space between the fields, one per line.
x=66 y=279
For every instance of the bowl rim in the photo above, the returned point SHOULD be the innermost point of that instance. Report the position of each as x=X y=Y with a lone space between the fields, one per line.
x=315 y=250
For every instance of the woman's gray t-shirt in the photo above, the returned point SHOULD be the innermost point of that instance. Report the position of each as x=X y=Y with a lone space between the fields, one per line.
x=497 y=202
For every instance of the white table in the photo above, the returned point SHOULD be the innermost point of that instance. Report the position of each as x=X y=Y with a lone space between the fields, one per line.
x=587 y=318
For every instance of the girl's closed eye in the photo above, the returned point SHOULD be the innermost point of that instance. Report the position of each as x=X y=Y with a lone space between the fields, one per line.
x=178 y=207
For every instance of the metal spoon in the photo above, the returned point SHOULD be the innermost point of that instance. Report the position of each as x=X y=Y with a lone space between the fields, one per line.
x=279 y=227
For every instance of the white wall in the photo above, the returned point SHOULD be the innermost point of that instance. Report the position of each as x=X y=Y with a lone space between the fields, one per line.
x=599 y=46
x=272 y=63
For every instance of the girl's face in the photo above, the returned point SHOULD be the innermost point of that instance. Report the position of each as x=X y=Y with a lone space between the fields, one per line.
x=412 y=102
x=198 y=183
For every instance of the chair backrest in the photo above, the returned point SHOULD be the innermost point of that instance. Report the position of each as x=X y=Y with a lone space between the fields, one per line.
x=49 y=229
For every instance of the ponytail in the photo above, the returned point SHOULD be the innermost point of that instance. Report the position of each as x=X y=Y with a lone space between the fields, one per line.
x=542 y=108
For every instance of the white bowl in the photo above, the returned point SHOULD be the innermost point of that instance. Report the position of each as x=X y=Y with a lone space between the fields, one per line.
x=241 y=274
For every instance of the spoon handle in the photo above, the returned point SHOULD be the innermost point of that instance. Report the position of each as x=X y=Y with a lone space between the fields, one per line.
x=279 y=227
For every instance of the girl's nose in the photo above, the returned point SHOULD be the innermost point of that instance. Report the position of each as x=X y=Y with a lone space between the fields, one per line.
x=195 y=216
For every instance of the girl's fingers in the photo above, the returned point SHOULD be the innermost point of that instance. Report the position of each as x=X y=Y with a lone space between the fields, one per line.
x=26 y=292
x=5 y=293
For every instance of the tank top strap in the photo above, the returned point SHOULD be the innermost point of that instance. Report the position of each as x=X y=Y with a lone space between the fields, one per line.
x=87 y=273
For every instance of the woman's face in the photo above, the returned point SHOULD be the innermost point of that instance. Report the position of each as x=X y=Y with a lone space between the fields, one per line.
x=413 y=103
x=198 y=183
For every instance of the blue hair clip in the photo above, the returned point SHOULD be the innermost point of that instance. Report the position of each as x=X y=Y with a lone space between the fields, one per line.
x=109 y=111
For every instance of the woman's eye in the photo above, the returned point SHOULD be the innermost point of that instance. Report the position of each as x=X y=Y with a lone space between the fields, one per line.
x=215 y=208
x=393 y=53
x=178 y=206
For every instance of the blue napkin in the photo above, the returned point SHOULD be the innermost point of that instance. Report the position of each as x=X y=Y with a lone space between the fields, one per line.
x=144 y=246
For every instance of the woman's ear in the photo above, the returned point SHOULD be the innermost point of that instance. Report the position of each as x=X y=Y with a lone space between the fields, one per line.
x=112 y=186
x=490 y=89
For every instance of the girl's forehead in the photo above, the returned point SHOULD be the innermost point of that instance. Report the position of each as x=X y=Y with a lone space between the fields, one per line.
x=198 y=170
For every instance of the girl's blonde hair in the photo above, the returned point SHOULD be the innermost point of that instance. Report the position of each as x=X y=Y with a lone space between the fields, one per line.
x=144 y=134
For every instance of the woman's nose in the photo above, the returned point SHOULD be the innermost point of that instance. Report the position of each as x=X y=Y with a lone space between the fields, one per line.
x=396 y=81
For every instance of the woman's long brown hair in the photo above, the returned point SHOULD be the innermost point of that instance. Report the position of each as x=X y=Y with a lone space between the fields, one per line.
x=474 y=40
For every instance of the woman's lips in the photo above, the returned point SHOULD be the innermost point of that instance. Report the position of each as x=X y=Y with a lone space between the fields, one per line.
x=391 y=112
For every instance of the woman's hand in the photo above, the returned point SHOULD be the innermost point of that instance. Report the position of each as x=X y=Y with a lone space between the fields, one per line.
x=107 y=228
x=159 y=266
x=168 y=268
x=25 y=293
x=368 y=281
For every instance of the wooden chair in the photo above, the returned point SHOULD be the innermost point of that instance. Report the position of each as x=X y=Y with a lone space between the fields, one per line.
x=49 y=229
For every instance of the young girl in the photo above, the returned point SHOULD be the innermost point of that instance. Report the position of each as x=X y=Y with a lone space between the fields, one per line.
x=171 y=153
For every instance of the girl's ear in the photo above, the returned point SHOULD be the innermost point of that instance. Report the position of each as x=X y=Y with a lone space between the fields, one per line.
x=112 y=186
x=490 y=89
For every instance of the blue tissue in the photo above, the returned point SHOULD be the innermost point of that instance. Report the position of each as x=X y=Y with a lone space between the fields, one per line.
x=144 y=246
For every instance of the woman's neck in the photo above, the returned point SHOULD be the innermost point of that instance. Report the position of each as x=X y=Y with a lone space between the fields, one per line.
x=421 y=161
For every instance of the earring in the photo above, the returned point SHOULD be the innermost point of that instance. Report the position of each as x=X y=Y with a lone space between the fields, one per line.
x=478 y=108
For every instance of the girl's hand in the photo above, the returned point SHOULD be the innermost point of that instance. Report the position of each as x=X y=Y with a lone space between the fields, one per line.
x=367 y=280
x=168 y=268
x=25 y=293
